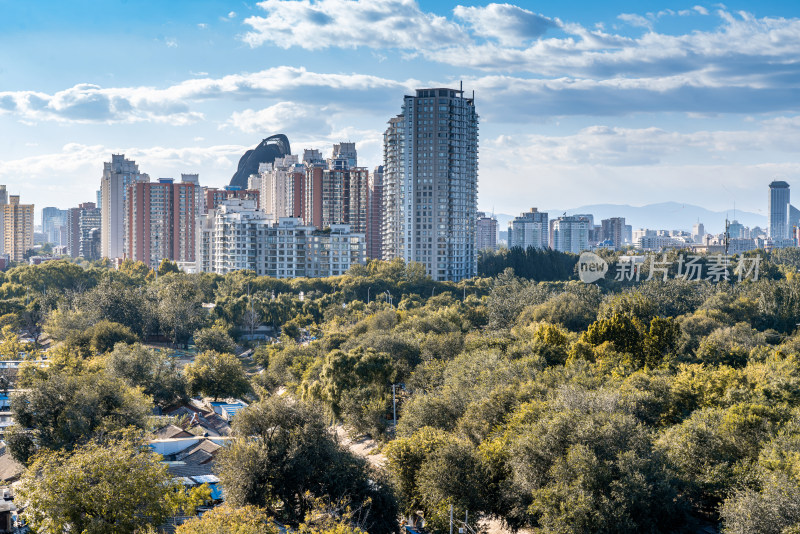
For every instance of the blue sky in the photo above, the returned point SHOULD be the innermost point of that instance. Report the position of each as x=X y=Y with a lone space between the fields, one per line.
x=581 y=102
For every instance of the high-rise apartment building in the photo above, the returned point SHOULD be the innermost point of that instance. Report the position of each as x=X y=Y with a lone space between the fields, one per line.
x=3 y=202
x=161 y=218
x=238 y=236
x=344 y=156
x=118 y=175
x=231 y=237
x=779 y=210
x=430 y=183
x=333 y=252
x=53 y=221
x=375 y=213
x=486 y=228
x=337 y=193
x=199 y=195
x=530 y=229
x=17 y=228
x=613 y=230
x=698 y=232
x=570 y=234
x=283 y=187
x=312 y=156
x=213 y=197
x=82 y=226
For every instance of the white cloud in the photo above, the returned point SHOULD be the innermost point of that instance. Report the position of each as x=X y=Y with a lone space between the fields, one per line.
x=79 y=168
x=202 y=26
x=617 y=146
x=636 y=20
x=171 y=42
x=89 y=103
x=742 y=51
x=601 y=164
x=508 y=24
x=289 y=117
x=350 y=24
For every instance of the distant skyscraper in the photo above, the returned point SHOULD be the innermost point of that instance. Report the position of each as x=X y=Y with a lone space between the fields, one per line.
x=430 y=183
x=3 y=202
x=161 y=222
x=89 y=223
x=779 y=210
x=282 y=187
x=313 y=157
x=118 y=175
x=81 y=222
x=613 y=230
x=530 y=229
x=486 y=232
x=736 y=230
x=18 y=228
x=337 y=194
x=53 y=220
x=570 y=234
x=344 y=156
x=698 y=232
x=375 y=216
x=213 y=196
x=199 y=197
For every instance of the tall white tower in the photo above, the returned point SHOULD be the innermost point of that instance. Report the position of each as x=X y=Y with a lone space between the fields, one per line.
x=118 y=174
x=431 y=183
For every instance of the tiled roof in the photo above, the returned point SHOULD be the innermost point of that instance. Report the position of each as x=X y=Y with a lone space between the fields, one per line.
x=171 y=431
x=10 y=469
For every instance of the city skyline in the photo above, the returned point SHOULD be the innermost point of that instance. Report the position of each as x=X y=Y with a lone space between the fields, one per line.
x=622 y=102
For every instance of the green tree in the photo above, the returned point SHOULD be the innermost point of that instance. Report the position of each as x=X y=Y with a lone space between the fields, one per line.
x=216 y=375
x=166 y=267
x=621 y=330
x=226 y=519
x=405 y=457
x=105 y=335
x=356 y=386
x=662 y=338
x=180 y=310
x=775 y=509
x=62 y=410
x=214 y=338
x=120 y=302
x=155 y=372
x=116 y=486
x=283 y=450
x=590 y=470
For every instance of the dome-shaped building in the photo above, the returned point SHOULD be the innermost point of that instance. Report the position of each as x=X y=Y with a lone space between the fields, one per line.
x=275 y=146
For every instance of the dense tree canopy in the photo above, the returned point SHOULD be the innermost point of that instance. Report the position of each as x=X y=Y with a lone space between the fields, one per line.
x=116 y=485
x=523 y=395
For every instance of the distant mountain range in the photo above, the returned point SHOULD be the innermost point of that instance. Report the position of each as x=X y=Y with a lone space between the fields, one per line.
x=661 y=216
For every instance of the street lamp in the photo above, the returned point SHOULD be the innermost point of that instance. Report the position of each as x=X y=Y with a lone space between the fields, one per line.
x=370 y=287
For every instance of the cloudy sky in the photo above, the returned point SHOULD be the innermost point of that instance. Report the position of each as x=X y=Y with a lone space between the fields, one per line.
x=581 y=102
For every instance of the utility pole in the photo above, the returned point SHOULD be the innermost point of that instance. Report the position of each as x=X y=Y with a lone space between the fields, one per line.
x=370 y=287
x=451 y=519
x=394 y=407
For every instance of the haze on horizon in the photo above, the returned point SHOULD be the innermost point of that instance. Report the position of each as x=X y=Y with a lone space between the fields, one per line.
x=580 y=103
